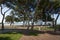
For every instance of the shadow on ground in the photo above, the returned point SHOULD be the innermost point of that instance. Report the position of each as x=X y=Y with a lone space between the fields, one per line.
x=27 y=32
x=5 y=38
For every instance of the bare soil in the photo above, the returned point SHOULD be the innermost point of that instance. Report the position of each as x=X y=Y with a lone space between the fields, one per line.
x=44 y=36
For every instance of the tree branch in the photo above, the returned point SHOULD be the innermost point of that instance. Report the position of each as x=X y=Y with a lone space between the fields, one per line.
x=7 y=10
x=57 y=17
x=1 y=10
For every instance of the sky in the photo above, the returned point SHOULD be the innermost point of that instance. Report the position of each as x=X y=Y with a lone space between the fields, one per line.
x=58 y=21
x=3 y=12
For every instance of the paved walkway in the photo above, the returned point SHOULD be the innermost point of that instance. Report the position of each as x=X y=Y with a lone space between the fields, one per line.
x=41 y=37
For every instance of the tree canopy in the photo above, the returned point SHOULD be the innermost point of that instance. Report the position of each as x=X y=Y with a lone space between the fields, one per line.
x=32 y=10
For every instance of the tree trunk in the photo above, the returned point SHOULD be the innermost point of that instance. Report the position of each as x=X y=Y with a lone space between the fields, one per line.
x=46 y=21
x=28 y=20
x=28 y=25
x=2 y=18
x=10 y=23
x=32 y=24
x=56 y=22
x=23 y=22
x=3 y=22
x=53 y=23
x=55 y=26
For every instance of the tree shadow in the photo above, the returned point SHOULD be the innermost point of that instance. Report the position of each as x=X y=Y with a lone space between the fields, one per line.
x=5 y=38
x=27 y=32
x=53 y=33
x=22 y=31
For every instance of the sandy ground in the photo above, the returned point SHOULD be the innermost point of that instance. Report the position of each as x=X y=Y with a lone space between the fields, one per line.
x=41 y=37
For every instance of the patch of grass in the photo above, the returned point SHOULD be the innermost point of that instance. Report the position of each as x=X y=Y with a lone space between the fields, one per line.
x=10 y=36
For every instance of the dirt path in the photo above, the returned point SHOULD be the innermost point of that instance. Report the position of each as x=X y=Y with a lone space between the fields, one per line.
x=41 y=37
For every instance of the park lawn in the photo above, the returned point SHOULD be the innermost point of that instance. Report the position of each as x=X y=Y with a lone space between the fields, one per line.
x=10 y=36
